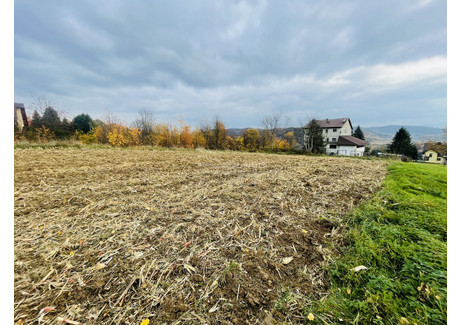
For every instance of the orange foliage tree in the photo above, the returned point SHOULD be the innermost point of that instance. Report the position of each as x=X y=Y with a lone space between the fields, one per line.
x=185 y=135
x=122 y=136
x=198 y=139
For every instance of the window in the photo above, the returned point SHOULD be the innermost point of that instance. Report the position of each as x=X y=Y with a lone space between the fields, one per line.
x=332 y=146
x=431 y=155
x=327 y=130
x=438 y=159
x=327 y=139
x=335 y=130
x=333 y=139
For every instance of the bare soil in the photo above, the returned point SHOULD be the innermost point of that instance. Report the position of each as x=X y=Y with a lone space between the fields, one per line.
x=117 y=236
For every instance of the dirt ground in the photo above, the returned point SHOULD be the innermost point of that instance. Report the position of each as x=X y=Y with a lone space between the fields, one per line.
x=118 y=236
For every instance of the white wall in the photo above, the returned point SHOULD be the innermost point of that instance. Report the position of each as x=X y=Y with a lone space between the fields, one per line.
x=350 y=151
x=346 y=129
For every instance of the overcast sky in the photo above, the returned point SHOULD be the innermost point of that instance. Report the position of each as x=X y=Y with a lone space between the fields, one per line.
x=377 y=62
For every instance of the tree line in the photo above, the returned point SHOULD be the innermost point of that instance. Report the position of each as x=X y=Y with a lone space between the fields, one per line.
x=209 y=135
x=146 y=131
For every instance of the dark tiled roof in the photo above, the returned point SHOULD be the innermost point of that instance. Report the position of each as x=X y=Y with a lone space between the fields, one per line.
x=348 y=140
x=335 y=123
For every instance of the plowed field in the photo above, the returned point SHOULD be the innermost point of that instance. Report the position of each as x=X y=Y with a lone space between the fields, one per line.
x=113 y=236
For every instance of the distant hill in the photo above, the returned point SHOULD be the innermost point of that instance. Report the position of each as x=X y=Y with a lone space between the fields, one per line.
x=374 y=135
x=384 y=134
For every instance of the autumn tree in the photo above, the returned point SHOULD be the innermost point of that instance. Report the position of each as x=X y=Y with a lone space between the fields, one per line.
x=220 y=135
x=271 y=125
x=290 y=138
x=251 y=139
x=185 y=134
x=104 y=127
x=198 y=139
x=145 y=122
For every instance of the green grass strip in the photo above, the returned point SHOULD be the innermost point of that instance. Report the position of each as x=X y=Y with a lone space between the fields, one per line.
x=401 y=237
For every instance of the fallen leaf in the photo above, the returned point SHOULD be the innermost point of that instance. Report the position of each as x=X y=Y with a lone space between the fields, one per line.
x=287 y=260
x=145 y=322
x=359 y=268
x=349 y=291
x=310 y=316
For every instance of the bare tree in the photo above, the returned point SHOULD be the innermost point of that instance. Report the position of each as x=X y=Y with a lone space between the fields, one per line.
x=307 y=118
x=272 y=122
x=41 y=103
x=145 y=122
x=271 y=125
x=109 y=118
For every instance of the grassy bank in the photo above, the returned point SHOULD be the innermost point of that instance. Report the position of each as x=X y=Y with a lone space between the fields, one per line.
x=400 y=236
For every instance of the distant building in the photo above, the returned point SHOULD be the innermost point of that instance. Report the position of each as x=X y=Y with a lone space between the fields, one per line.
x=338 y=137
x=20 y=117
x=435 y=157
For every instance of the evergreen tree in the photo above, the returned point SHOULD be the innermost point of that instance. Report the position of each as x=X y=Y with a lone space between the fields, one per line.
x=50 y=119
x=314 y=137
x=65 y=129
x=402 y=145
x=83 y=123
x=359 y=133
x=36 y=120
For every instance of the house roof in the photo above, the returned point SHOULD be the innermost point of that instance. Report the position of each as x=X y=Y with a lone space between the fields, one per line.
x=436 y=151
x=331 y=123
x=348 y=140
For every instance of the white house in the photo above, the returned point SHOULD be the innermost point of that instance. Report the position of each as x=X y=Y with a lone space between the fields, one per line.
x=338 y=137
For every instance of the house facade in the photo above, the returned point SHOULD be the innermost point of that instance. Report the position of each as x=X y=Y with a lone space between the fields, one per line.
x=20 y=117
x=435 y=157
x=337 y=134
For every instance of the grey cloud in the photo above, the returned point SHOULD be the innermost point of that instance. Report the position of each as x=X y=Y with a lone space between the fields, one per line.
x=235 y=59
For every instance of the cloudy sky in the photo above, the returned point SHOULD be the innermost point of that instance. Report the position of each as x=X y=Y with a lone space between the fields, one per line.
x=377 y=62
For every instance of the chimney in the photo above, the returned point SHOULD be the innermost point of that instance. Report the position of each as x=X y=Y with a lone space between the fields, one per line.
x=327 y=120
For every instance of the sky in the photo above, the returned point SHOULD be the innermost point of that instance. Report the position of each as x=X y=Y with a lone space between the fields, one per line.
x=376 y=62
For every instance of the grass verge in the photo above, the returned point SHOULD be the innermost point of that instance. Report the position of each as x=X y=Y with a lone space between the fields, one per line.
x=401 y=237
